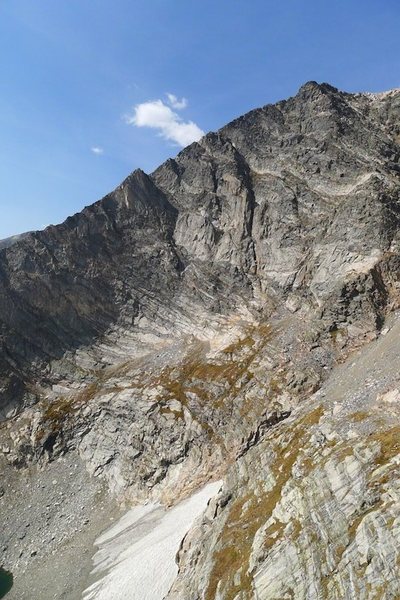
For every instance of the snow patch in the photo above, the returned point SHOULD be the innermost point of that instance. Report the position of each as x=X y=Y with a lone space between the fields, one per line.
x=136 y=557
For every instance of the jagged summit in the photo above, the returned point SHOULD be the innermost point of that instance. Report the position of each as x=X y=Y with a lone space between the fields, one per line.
x=307 y=94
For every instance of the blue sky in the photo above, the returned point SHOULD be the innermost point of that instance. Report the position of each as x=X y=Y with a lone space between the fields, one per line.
x=73 y=71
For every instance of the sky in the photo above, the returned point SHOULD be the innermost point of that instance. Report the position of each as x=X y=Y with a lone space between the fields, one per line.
x=92 y=89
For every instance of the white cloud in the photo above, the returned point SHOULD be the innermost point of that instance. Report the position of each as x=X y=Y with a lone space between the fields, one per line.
x=158 y=115
x=176 y=103
x=97 y=150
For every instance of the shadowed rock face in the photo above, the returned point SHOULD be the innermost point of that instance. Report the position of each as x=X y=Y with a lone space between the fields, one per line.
x=168 y=332
x=63 y=287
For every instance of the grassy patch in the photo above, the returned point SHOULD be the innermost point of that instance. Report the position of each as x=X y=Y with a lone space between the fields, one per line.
x=56 y=412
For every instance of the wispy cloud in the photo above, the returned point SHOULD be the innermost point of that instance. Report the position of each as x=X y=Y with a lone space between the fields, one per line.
x=176 y=103
x=158 y=115
x=97 y=150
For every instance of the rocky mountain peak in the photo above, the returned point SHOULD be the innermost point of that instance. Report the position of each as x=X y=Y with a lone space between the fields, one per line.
x=190 y=325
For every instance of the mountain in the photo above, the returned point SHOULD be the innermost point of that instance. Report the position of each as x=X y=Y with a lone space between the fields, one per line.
x=6 y=242
x=221 y=318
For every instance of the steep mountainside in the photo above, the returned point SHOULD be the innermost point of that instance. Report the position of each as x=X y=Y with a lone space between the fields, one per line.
x=185 y=329
x=6 y=242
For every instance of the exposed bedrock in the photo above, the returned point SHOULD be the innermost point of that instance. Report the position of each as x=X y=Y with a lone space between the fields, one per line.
x=180 y=330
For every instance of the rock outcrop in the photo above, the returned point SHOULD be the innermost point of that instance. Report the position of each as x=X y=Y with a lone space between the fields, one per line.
x=184 y=328
x=312 y=511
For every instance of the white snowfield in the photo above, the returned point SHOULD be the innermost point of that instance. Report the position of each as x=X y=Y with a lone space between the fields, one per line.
x=136 y=557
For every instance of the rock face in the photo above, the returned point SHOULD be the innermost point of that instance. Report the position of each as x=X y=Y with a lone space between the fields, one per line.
x=313 y=510
x=189 y=326
x=7 y=242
